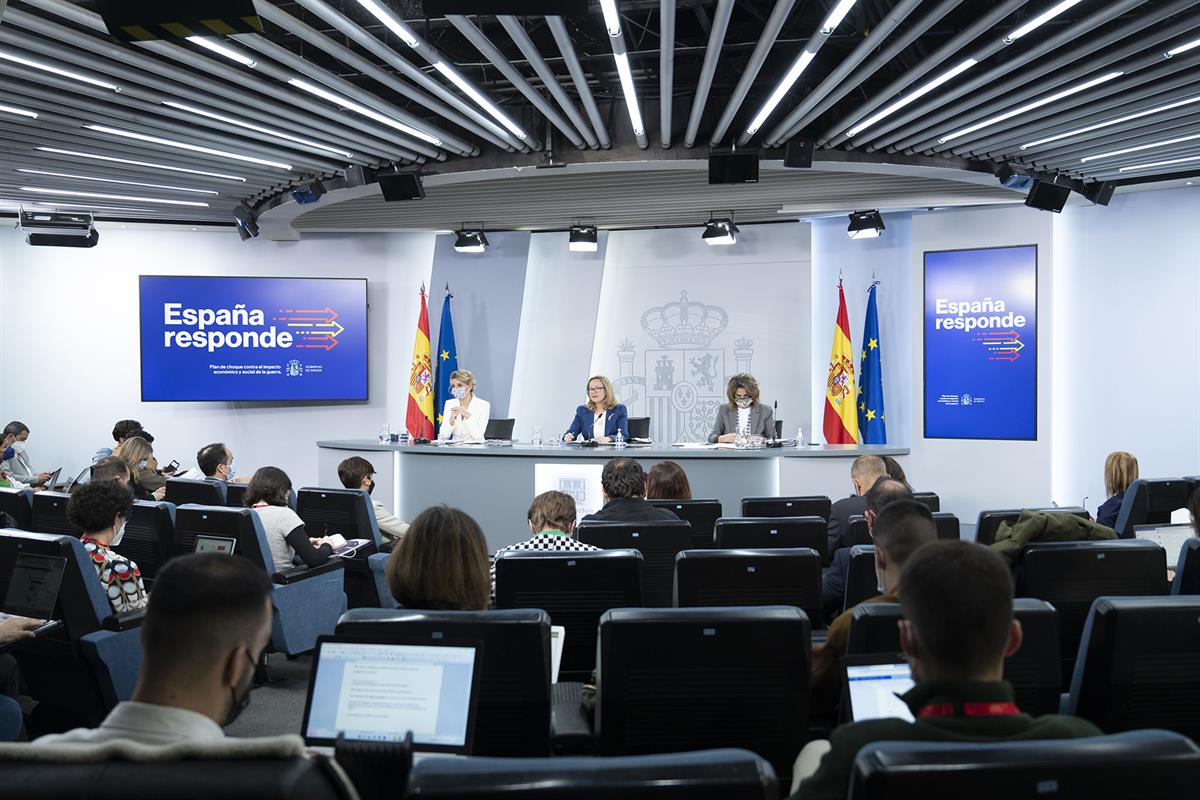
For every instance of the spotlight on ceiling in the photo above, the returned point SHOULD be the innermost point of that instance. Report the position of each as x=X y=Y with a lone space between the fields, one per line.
x=1012 y=179
x=720 y=231
x=470 y=240
x=584 y=239
x=308 y=193
x=865 y=225
x=58 y=229
x=247 y=221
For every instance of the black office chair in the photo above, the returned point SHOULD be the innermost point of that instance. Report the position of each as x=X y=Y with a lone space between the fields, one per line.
x=574 y=589
x=659 y=543
x=48 y=514
x=512 y=715
x=705 y=775
x=181 y=491
x=930 y=500
x=499 y=429
x=989 y=521
x=1071 y=575
x=18 y=504
x=809 y=506
x=1034 y=671
x=1139 y=665
x=856 y=532
x=947 y=526
x=639 y=427
x=149 y=534
x=694 y=678
x=1151 y=502
x=1148 y=765
x=702 y=515
x=862 y=583
x=1187 y=570
x=741 y=533
x=235 y=495
x=763 y=577
x=347 y=512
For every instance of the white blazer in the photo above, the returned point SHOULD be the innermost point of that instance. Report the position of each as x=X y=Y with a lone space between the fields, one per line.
x=466 y=430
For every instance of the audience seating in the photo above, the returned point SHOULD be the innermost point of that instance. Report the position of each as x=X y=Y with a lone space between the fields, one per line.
x=862 y=582
x=947 y=526
x=809 y=506
x=1147 y=765
x=499 y=429
x=930 y=500
x=702 y=515
x=307 y=600
x=759 y=577
x=857 y=532
x=694 y=678
x=204 y=492
x=1034 y=671
x=705 y=775
x=347 y=512
x=18 y=504
x=1187 y=571
x=989 y=521
x=1071 y=575
x=1139 y=665
x=574 y=589
x=512 y=717
x=1150 y=502
x=740 y=533
x=235 y=495
x=48 y=514
x=659 y=543
x=149 y=532
x=90 y=663
x=639 y=427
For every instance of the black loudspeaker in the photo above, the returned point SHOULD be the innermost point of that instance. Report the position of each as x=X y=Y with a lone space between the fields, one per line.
x=1099 y=193
x=1047 y=196
x=55 y=240
x=799 y=154
x=733 y=168
x=407 y=186
x=548 y=8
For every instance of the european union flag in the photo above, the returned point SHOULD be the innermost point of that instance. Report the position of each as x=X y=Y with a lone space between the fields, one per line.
x=871 y=426
x=447 y=358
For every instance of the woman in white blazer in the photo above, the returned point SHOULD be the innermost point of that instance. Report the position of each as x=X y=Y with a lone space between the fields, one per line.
x=465 y=417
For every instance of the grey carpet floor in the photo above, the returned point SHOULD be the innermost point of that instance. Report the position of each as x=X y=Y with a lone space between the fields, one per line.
x=276 y=707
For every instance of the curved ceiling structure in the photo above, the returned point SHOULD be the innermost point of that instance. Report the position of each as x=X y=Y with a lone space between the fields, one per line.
x=189 y=129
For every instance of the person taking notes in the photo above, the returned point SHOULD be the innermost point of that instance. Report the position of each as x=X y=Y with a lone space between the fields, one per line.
x=601 y=417
x=465 y=416
x=744 y=414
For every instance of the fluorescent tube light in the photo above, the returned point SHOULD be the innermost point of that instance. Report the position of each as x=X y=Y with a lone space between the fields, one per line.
x=612 y=19
x=904 y=101
x=987 y=123
x=391 y=22
x=210 y=43
x=487 y=105
x=362 y=110
x=1160 y=164
x=1040 y=20
x=1097 y=126
x=70 y=193
x=1183 y=48
x=270 y=132
x=20 y=112
x=185 y=146
x=627 y=88
x=798 y=66
x=1140 y=147
x=150 y=164
x=836 y=16
x=114 y=180
x=75 y=76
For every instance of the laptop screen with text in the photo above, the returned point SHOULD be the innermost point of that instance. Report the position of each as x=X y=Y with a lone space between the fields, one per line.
x=1171 y=538
x=874 y=689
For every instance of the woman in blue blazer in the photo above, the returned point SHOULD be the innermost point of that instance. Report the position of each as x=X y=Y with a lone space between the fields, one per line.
x=601 y=417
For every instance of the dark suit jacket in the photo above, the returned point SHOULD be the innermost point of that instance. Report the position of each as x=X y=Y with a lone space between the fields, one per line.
x=630 y=509
x=1109 y=510
x=762 y=422
x=839 y=519
x=618 y=418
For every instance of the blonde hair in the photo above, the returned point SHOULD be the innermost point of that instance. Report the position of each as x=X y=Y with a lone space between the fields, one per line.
x=1120 y=470
x=464 y=375
x=610 y=396
x=743 y=380
x=133 y=451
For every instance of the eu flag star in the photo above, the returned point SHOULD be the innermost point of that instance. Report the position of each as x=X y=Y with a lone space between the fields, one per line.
x=445 y=355
x=864 y=355
x=873 y=344
x=870 y=414
x=439 y=419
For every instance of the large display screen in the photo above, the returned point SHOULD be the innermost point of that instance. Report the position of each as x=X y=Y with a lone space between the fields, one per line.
x=253 y=338
x=981 y=343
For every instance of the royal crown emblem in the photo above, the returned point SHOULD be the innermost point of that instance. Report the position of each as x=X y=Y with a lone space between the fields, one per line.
x=685 y=324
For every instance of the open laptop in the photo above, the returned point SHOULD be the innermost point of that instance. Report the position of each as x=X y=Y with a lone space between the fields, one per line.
x=873 y=685
x=1171 y=538
x=52 y=482
x=371 y=691
x=33 y=588
x=225 y=545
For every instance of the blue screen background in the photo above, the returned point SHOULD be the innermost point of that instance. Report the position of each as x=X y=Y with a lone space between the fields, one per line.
x=319 y=371
x=993 y=398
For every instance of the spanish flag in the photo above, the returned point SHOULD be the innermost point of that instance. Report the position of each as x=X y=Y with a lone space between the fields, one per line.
x=419 y=420
x=841 y=399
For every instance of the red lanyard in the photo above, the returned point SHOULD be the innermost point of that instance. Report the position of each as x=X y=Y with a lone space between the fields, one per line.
x=971 y=710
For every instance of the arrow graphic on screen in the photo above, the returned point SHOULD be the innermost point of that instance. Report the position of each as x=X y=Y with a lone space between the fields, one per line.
x=315 y=329
x=1002 y=345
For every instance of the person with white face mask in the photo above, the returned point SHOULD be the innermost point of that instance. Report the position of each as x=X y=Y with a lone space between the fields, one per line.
x=744 y=416
x=14 y=457
x=101 y=509
x=465 y=416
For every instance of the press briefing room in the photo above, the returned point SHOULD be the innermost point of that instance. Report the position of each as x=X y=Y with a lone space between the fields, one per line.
x=579 y=399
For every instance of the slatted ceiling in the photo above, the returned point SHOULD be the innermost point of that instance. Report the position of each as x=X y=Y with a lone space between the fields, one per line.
x=555 y=198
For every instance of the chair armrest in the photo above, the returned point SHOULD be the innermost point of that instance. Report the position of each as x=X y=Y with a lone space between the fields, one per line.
x=126 y=621
x=302 y=573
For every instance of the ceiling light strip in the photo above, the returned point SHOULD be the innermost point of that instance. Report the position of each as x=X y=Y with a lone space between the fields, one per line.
x=75 y=76
x=1140 y=148
x=1099 y=125
x=248 y=126
x=1156 y=164
x=114 y=180
x=362 y=110
x=211 y=43
x=20 y=112
x=919 y=93
x=131 y=162
x=101 y=196
x=185 y=146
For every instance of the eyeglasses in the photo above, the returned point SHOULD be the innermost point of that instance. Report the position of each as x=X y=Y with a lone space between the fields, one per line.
x=595 y=389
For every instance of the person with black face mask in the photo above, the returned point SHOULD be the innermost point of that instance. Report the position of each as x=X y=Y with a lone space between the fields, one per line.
x=101 y=508
x=358 y=473
x=206 y=628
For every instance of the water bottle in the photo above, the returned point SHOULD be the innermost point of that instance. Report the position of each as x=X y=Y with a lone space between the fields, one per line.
x=619 y=440
x=537 y=436
x=742 y=441
x=799 y=437
x=385 y=434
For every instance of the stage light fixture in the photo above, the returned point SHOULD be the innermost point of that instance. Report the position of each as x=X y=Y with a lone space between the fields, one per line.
x=247 y=221
x=1012 y=179
x=720 y=231
x=470 y=240
x=865 y=225
x=584 y=239
x=309 y=193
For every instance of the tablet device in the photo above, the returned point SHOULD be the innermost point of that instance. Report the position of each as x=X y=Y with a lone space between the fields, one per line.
x=373 y=691
x=215 y=544
x=52 y=481
x=874 y=684
x=33 y=586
